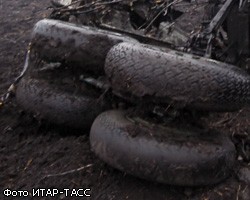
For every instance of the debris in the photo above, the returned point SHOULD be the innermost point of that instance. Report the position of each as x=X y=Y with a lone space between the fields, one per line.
x=61 y=3
x=68 y=172
x=172 y=33
x=244 y=174
x=4 y=97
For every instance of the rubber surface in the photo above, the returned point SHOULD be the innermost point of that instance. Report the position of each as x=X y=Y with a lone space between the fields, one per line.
x=58 y=41
x=176 y=78
x=46 y=100
x=165 y=155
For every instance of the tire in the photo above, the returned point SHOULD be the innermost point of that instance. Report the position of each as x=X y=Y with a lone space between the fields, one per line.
x=48 y=101
x=175 y=78
x=161 y=154
x=86 y=47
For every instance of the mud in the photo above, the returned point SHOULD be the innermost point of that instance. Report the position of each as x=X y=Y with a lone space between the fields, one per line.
x=36 y=154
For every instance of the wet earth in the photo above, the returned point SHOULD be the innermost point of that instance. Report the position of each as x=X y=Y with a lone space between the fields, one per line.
x=35 y=154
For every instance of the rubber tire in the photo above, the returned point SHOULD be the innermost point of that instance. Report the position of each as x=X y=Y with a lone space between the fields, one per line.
x=176 y=78
x=48 y=102
x=183 y=158
x=83 y=46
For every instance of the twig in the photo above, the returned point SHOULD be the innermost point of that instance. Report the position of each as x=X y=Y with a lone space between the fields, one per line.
x=238 y=192
x=166 y=7
x=228 y=120
x=90 y=10
x=109 y=2
x=68 y=172
x=11 y=89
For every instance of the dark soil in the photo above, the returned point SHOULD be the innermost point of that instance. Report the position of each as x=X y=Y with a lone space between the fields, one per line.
x=35 y=154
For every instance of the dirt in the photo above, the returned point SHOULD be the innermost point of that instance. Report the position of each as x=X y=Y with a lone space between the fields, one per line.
x=36 y=154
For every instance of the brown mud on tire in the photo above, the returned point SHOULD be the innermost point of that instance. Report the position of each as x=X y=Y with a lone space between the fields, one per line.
x=179 y=79
x=46 y=100
x=162 y=154
x=59 y=41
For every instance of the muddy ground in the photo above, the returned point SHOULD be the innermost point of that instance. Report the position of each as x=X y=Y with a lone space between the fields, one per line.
x=39 y=155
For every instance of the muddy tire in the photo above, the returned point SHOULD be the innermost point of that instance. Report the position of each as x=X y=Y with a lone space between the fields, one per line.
x=175 y=78
x=165 y=155
x=46 y=101
x=86 y=47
